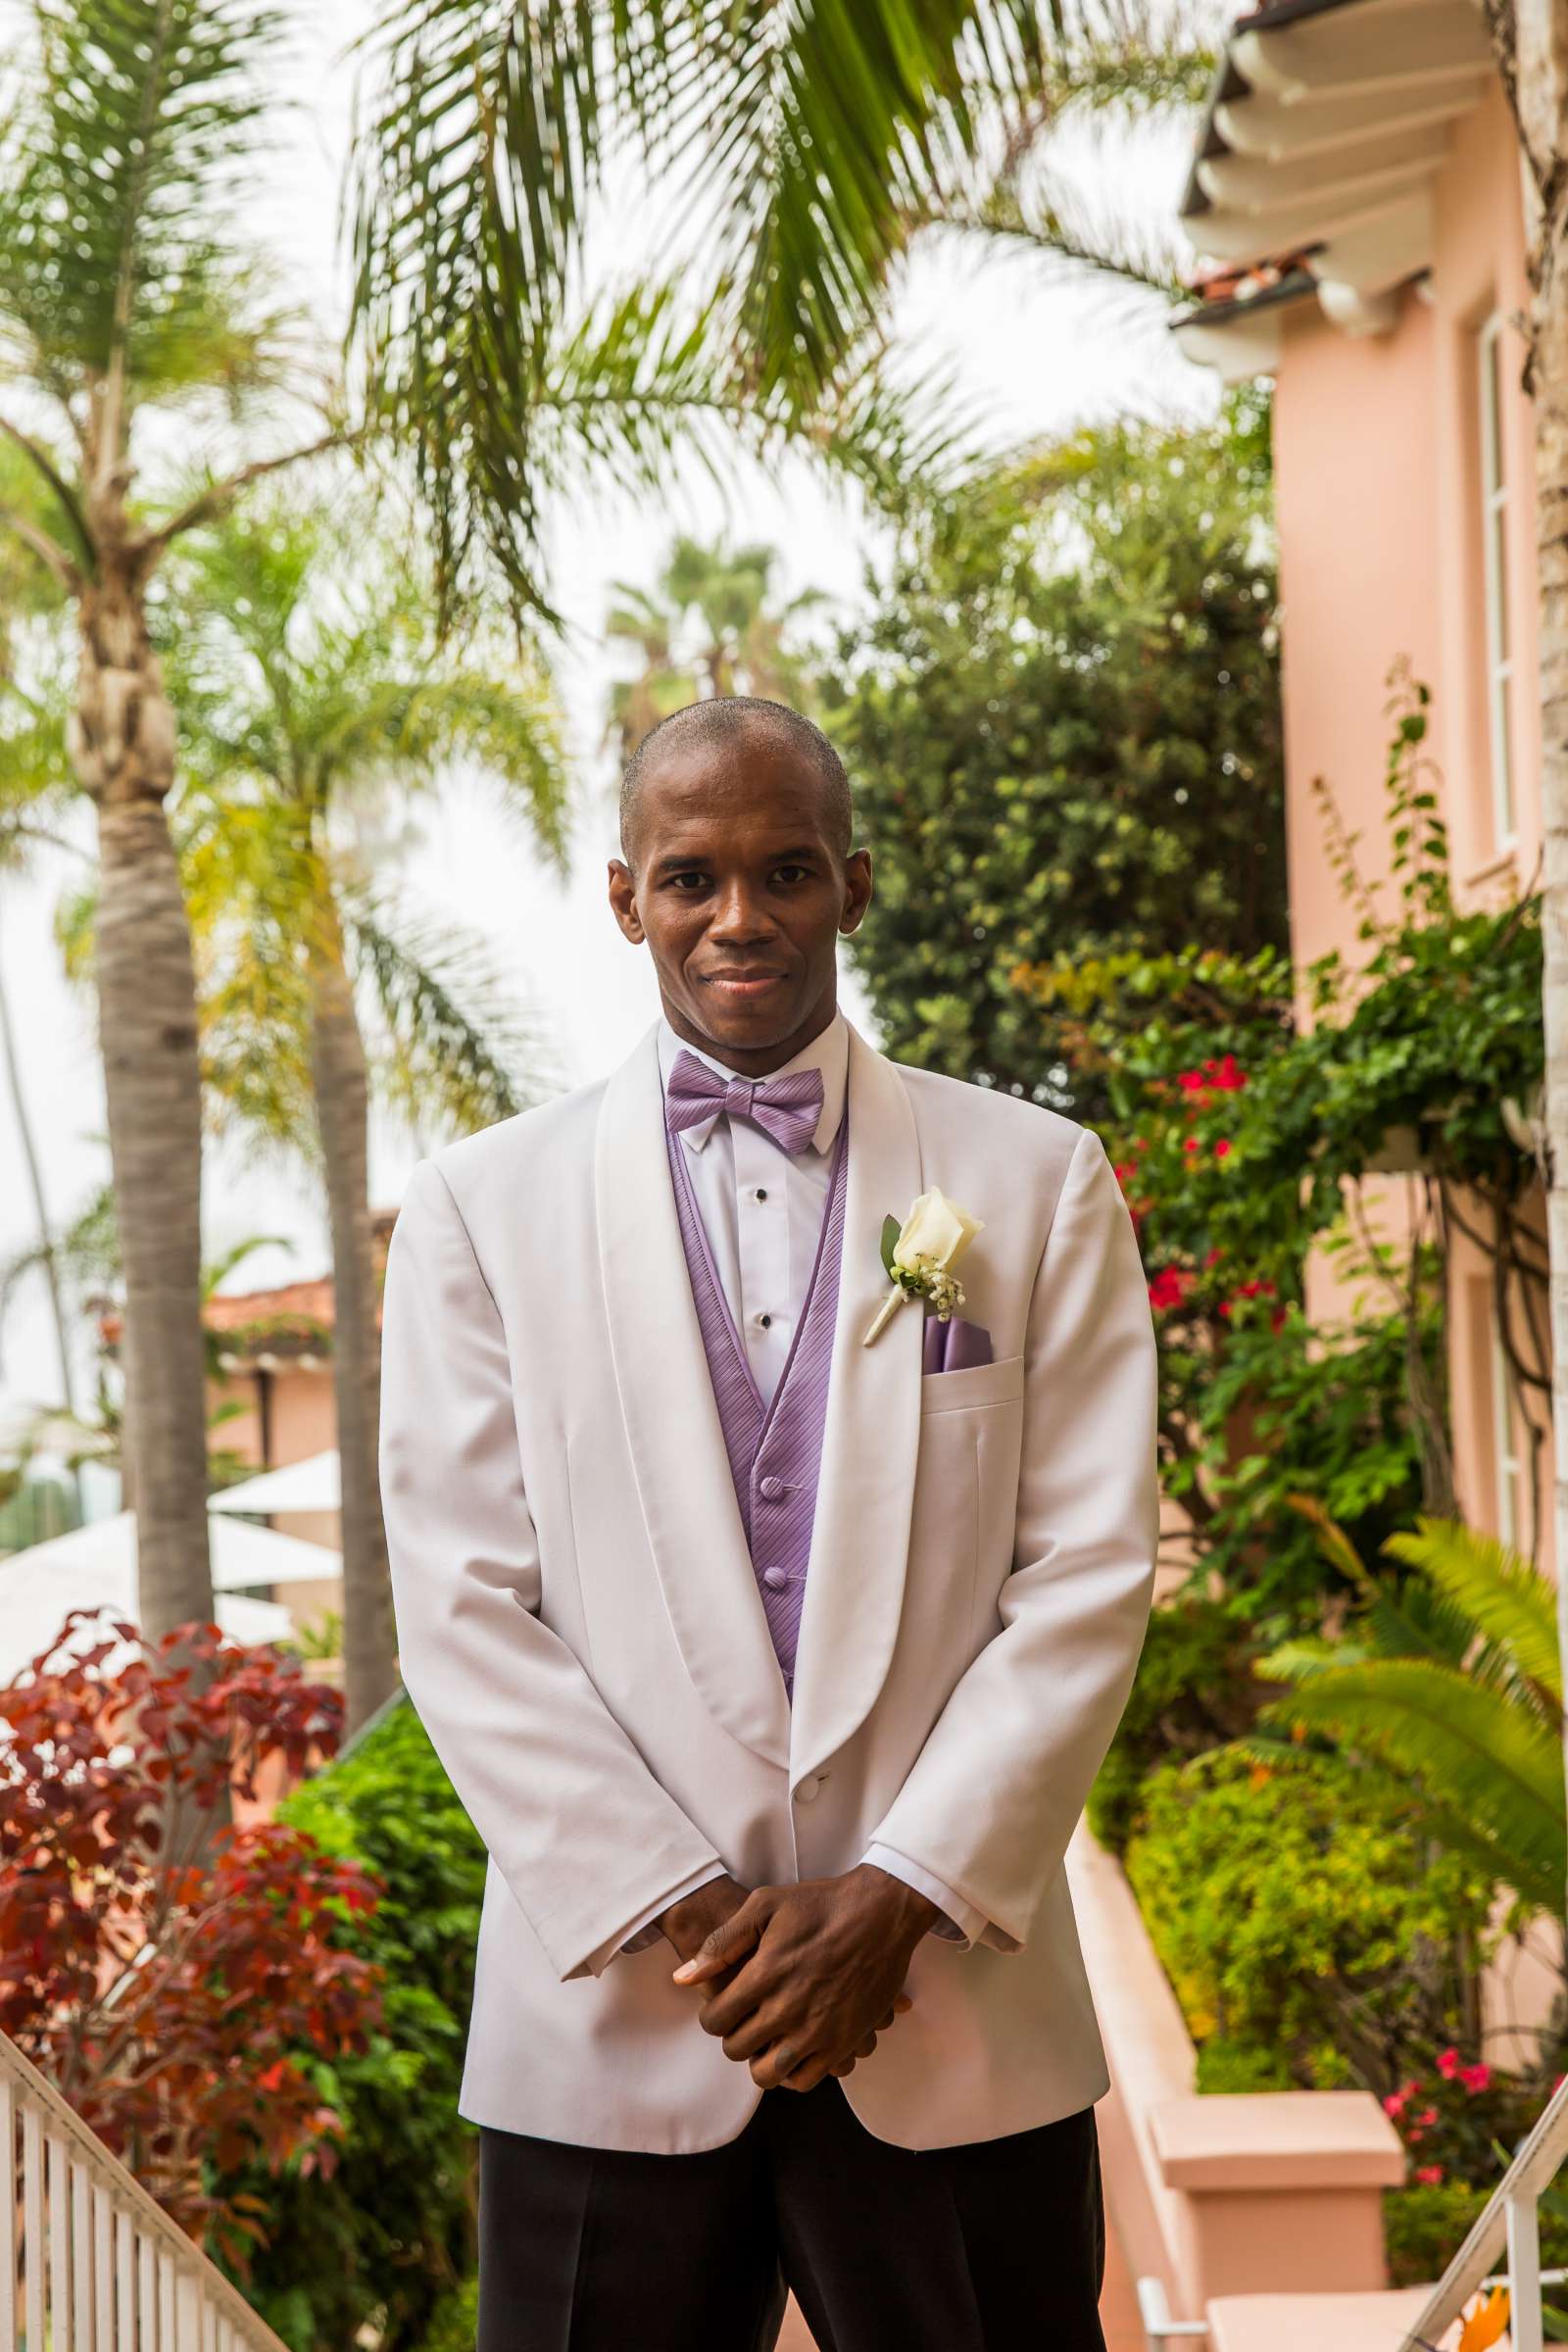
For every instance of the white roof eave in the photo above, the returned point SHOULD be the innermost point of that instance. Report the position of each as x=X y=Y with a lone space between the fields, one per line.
x=1331 y=151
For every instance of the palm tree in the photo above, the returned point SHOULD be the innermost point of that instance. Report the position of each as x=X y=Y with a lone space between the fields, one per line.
x=719 y=599
x=1450 y=1686
x=314 y=692
x=124 y=292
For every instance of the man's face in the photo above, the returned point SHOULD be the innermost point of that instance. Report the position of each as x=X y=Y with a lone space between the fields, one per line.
x=740 y=894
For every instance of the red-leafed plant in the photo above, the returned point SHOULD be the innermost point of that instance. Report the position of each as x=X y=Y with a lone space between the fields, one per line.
x=170 y=1994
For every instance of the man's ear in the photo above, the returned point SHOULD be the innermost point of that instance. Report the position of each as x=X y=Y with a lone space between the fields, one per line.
x=858 y=872
x=623 y=901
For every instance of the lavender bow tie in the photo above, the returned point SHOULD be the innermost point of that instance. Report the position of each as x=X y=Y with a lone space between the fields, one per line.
x=788 y=1110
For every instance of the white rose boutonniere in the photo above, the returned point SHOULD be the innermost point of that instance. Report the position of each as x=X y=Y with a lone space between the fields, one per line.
x=919 y=1257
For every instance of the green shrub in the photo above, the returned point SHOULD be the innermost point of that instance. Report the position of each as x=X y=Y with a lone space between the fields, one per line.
x=390 y=2230
x=1424 y=2227
x=1194 y=1689
x=1225 y=2065
x=1296 y=1910
x=455 y=2321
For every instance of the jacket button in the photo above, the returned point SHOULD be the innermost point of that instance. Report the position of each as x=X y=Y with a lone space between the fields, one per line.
x=771 y=1486
x=806 y=1791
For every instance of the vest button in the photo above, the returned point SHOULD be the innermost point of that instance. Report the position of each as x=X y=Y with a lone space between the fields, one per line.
x=771 y=1486
x=806 y=1791
x=775 y=1579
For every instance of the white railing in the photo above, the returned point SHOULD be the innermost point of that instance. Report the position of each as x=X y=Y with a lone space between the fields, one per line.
x=1161 y=2330
x=1510 y=2219
x=88 y=2261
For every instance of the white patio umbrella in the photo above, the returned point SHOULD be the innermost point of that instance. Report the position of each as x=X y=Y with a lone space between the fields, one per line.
x=96 y=1567
x=312 y=1484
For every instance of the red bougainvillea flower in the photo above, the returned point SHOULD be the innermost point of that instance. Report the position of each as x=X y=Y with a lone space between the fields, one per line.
x=1221 y=1146
x=1476 y=2078
x=1448 y=2064
x=1429 y=2174
x=1393 y=2104
x=1192 y=1143
x=1212 y=1077
x=1213 y=1257
x=1256 y=1289
x=1169 y=1287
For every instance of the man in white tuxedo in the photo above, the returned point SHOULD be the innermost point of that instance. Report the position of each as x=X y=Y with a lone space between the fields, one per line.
x=772 y=1661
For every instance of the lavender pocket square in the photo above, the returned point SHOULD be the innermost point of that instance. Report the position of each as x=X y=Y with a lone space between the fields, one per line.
x=952 y=1346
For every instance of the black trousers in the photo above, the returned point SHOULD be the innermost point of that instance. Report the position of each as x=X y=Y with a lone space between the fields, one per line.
x=989 y=2247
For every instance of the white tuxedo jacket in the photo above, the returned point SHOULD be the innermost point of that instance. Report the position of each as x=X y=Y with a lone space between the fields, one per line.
x=580 y=1630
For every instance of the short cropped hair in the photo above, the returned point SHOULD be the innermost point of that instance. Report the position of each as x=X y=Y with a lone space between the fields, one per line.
x=721 y=720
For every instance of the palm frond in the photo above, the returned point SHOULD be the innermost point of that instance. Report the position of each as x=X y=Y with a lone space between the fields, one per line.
x=85 y=1256
x=809 y=139
x=455 y=1046
x=1466 y=1746
x=251 y=878
x=1298 y=1661
x=1413 y=1620
x=1126 y=56
x=1511 y=1602
x=216 y=1271
x=509 y=728
x=120 y=159
x=817 y=139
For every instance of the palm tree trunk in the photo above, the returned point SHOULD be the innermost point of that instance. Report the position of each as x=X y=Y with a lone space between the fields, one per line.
x=123 y=746
x=341 y=1084
x=41 y=1207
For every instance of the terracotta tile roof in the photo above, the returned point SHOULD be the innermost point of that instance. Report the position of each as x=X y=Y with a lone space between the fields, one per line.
x=289 y=1320
x=233 y=1310
x=1240 y=282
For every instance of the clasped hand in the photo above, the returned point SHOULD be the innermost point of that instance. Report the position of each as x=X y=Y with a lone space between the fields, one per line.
x=798 y=1981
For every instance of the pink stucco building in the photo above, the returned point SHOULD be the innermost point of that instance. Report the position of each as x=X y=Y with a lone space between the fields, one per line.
x=1357 y=197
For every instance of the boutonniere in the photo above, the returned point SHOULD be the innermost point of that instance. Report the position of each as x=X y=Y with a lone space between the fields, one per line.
x=919 y=1257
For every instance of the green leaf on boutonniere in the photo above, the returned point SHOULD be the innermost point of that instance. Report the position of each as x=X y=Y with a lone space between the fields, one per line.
x=891 y=1230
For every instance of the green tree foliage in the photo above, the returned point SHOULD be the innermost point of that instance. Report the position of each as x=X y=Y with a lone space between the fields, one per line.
x=1062 y=726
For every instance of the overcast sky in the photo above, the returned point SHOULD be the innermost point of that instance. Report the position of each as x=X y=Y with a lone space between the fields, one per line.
x=1036 y=354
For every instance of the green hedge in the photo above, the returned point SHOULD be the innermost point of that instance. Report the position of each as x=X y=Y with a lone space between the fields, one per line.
x=1302 y=1917
x=391 y=2232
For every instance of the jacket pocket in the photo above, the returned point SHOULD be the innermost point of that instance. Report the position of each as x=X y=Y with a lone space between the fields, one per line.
x=973 y=1384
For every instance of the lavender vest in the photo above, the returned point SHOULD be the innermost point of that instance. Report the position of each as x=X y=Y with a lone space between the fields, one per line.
x=775 y=1452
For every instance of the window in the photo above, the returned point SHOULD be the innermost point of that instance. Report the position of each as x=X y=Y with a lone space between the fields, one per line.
x=1504 y=1452
x=1494 y=555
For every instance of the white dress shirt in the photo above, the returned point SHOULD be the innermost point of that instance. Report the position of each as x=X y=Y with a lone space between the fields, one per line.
x=763 y=1209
